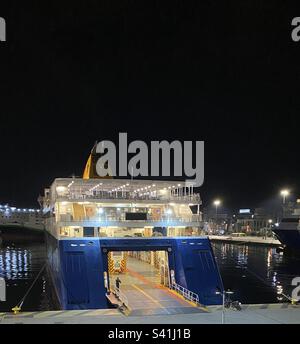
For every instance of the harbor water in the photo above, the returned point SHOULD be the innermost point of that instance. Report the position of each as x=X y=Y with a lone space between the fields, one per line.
x=20 y=264
x=256 y=274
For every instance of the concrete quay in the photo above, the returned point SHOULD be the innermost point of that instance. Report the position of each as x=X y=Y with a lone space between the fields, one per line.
x=250 y=314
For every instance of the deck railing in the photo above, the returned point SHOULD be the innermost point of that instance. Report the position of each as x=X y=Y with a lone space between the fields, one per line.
x=187 y=294
x=118 y=219
x=121 y=296
x=73 y=196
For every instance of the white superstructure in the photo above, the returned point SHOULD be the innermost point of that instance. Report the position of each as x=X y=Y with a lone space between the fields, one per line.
x=76 y=207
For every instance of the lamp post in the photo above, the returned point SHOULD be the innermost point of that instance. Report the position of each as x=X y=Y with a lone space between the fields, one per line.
x=223 y=293
x=270 y=221
x=284 y=193
x=217 y=202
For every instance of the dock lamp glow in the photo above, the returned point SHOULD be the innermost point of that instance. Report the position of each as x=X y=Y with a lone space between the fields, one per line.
x=284 y=193
x=223 y=293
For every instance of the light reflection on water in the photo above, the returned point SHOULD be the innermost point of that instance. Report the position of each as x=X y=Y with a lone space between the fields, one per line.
x=15 y=263
x=256 y=274
x=19 y=265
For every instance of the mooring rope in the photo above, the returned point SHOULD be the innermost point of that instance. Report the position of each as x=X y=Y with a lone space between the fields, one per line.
x=19 y=305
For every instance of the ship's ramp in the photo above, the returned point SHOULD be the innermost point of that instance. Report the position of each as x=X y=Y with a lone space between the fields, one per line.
x=146 y=296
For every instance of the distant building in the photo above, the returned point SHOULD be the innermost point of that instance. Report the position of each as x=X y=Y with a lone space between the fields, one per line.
x=215 y=222
x=249 y=221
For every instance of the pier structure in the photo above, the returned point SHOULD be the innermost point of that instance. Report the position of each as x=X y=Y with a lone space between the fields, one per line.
x=250 y=314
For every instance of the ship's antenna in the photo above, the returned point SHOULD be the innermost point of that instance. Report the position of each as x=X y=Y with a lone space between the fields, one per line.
x=95 y=146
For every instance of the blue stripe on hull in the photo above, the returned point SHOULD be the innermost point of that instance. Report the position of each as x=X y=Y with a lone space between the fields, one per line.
x=77 y=267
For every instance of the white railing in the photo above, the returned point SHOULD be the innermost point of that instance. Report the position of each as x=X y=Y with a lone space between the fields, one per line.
x=187 y=294
x=121 y=296
x=73 y=196
x=117 y=219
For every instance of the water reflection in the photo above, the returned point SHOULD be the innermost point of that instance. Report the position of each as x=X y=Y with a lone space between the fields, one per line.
x=15 y=263
x=256 y=274
x=19 y=265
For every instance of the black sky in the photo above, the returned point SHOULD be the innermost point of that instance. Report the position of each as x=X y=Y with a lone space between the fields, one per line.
x=74 y=72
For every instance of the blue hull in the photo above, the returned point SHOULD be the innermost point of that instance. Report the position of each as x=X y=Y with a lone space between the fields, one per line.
x=289 y=238
x=77 y=267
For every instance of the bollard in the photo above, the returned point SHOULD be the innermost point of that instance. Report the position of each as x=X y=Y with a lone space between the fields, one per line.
x=16 y=310
x=294 y=301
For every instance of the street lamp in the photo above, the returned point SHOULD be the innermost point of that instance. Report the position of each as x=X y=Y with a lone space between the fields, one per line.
x=217 y=202
x=223 y=293
x=284 y=193
x=270 y=221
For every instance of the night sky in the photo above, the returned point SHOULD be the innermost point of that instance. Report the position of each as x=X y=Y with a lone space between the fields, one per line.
x=226 y=72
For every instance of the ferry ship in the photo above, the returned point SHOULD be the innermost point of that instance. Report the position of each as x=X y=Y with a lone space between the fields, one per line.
x=142 y=231
x=288 y=231
x=20 y=224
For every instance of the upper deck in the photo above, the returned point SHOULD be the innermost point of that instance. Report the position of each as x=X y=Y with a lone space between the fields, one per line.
x=122 y=191
x=115 y=207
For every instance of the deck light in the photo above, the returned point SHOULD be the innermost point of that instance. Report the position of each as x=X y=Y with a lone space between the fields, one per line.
x=60 y=189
